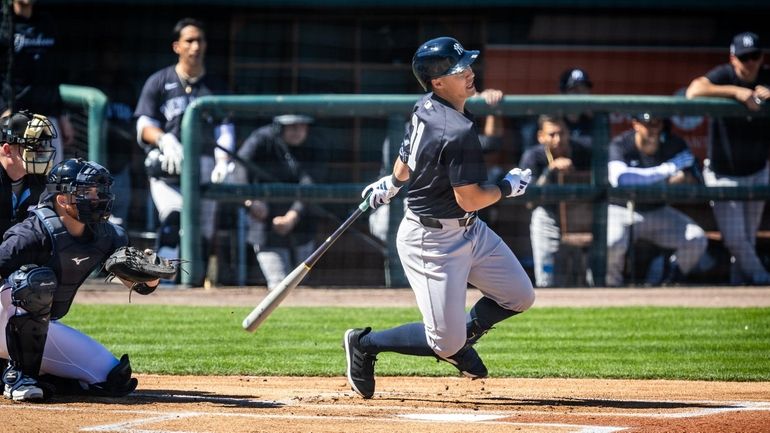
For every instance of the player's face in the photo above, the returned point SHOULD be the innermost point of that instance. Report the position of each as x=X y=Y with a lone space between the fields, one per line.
x=191 y=46
x=648 y=134
x=459 y=86
x=747 y=65
x=553 y=135
x=294 y=135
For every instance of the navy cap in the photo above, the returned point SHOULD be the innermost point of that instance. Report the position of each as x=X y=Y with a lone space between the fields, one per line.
x=745 y=43
x=572 y=78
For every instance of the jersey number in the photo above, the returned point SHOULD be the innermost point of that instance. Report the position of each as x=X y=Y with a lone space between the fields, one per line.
x=414 y=141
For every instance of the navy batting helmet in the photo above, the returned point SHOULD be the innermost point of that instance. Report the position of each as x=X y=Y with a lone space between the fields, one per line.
x=81 y=178
x=439 y=57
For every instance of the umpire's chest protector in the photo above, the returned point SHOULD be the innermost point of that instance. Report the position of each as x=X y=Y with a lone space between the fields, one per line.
x=72 y=261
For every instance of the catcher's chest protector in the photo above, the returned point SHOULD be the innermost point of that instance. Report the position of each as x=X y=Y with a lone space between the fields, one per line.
x=72 y=261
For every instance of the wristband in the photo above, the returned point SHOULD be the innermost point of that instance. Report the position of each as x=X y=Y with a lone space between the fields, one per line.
x=505 y=187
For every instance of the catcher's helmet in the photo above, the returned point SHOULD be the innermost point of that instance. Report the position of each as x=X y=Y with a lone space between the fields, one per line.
x=439 y=57
x=34 y=134
x=89 y=184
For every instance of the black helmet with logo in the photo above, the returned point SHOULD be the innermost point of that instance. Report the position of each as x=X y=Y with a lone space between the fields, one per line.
x=439 y=57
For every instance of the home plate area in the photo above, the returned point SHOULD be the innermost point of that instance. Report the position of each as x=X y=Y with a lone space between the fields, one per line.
x=236 y=404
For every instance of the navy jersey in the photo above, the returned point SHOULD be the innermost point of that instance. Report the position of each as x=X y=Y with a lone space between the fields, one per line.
x=36 y=67
x=165 y=98
x=443 y=152
x=535 y=159
x=15 y=207
x=623 y=148
x=740 y=144
x=30 y=242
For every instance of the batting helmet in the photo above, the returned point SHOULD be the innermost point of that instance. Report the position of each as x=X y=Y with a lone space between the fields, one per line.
x=79 y=178
x=34 y=133
x=439 y=57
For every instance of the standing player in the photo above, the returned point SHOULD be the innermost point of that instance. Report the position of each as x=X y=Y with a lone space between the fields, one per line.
x=43 y=261
x=164 y=99
x=442 y=243
x=738 y=154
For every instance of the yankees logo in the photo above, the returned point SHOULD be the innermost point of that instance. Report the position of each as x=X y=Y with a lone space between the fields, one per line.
x=459 y=48
x=79 y=260
x=748 y=41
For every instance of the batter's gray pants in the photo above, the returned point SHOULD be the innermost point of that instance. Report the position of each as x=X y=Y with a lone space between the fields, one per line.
x=739 y=221
x=439 y=264
x=665 y=227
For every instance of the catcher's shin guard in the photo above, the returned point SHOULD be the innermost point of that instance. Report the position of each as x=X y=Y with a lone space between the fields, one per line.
x=32 y=289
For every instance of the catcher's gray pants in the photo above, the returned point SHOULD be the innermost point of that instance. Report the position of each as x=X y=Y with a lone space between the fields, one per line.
x=666 y=227
x=545 y=235
x=739 y=221
x=440 y=262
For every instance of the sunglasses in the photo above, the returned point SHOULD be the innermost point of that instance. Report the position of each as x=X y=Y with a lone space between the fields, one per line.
x=750 y=56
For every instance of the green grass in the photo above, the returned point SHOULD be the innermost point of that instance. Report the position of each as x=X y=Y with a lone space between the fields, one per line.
x=641 y=343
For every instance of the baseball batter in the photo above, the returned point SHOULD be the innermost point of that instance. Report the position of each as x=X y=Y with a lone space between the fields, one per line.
x=442 y=243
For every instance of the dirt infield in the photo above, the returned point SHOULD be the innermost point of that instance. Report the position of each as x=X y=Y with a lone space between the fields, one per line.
x=166 y=404
x=235 y=404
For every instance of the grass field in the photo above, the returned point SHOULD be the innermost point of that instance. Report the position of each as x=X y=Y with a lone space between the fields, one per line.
x=630 y=342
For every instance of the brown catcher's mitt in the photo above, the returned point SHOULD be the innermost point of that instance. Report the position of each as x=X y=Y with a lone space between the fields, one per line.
x=132 y=264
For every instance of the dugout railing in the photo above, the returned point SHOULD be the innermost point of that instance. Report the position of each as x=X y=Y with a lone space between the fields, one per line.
x=87 y=108
x=394 y=107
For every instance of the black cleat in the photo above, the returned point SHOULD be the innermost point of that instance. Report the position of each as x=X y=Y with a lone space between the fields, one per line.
x=468 y=361
x=360 y=365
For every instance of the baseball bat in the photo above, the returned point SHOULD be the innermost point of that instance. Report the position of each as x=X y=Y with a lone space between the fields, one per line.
x=277 y=295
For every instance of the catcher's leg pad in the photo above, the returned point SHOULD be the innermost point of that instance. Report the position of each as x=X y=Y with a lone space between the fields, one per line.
x=119 y=382
x=32 y=288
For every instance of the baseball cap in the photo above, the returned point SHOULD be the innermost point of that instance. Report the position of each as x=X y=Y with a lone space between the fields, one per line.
x=745 y=43
x=572 y=78
x=646 y=117
x=292 y=119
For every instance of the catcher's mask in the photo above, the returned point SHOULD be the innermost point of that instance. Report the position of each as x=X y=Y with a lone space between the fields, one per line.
x=88 y=183
x=33 y=133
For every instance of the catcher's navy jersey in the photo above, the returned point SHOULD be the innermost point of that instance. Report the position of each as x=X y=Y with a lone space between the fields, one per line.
x=165 y=98
x=443 y=151
x=74 y=259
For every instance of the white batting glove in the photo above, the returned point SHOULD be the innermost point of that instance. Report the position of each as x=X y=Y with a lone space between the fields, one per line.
x=518 y=180
x=381 y=192
x=171 y=149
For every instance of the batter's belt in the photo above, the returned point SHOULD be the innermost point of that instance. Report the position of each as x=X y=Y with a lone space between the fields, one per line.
x=436 y=223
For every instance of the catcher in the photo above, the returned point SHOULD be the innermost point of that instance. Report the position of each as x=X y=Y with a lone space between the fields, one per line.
x=43 y=261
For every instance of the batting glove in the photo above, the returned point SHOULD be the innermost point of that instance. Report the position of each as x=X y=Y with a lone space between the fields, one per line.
x=381 y=192
x=171 y=149
x=515 y=182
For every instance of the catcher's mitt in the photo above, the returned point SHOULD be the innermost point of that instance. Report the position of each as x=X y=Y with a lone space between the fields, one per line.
x=132 y=264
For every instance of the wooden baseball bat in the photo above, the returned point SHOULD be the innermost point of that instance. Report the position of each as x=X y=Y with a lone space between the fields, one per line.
x=277 y=295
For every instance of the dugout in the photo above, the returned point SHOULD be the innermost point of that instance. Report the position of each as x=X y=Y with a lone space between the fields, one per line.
x=364 y=47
